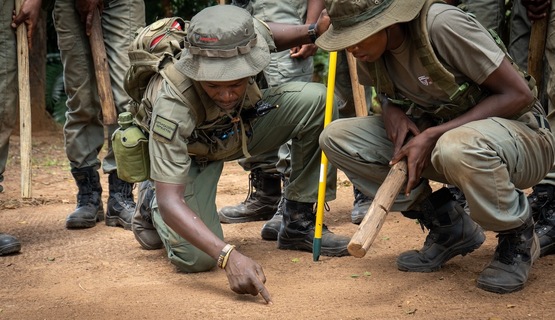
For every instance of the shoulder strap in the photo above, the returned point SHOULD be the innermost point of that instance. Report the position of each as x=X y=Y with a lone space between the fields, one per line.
x=419 y=33
x=182 y=85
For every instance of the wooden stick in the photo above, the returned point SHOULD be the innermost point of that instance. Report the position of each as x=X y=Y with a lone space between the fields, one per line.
x=375 y=217
x=102 y=71
x=24 y=106
x=536 y=50
x=359 y=96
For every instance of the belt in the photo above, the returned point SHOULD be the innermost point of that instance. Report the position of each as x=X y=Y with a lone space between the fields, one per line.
x=542 y=121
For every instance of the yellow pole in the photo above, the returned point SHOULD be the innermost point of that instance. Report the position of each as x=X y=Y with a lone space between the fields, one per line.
x=317 y=242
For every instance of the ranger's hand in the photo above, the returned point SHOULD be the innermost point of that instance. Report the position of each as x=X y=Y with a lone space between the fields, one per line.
x=418 y=151
x=86 y=10
x=536 y=9
x=246 y=276
x=28 y=13
x=323 y=22
x=397 y=124
x=304 y=51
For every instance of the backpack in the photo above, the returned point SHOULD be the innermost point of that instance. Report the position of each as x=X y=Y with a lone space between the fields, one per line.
x=463 y=97
x=154 y=48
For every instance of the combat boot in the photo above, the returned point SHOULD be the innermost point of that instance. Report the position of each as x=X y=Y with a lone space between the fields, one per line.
x=1 y=180
x=360 y=206
x=451 y=232
x=142 y=226
x=271 y=228
x=260 y=204
x=89 y=203
x=8 y=244
x=121 y=205
x=297 y=231
x=542 y=203
x=516 y=251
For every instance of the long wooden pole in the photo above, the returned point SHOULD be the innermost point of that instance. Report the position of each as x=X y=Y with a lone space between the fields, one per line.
x=24 y=106
x=359 y=94
x=102 y=71
x=536 y=50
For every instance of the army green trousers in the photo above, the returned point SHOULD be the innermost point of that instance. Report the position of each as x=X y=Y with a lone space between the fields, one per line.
x=299 y=118
x=490 y=160
x=8 y=80
x=84 y=130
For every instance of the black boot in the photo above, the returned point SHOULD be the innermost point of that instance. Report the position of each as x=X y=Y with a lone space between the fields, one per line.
x=8 y=244
x=121 y=205
x=297 y=231
x=452 y=232
x=89 y=203
x=542 y=203
x=260 y=204
x=360 y=206
x=271 y=228
x=516 y=251
x=143 y=229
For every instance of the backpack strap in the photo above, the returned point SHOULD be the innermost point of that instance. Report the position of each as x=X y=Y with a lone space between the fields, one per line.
x=182 y=86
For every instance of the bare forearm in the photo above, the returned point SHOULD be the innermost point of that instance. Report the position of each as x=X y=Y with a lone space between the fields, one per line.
x=314 y=8
x=178 y=216
x=288 y=36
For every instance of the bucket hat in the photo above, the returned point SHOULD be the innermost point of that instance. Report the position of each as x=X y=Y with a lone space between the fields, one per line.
x=222 y=45
x=355 y=20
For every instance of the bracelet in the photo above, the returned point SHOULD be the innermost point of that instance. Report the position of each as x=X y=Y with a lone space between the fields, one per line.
x=224 y=255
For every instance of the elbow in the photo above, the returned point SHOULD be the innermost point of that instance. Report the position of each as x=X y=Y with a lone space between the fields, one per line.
x=522 y=100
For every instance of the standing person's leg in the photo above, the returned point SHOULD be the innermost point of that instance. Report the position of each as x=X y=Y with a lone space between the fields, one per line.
x=120 y=21
x=519 y=36
x=490 y=13
x=8 y=83
x=8 y=104
x=83 y=130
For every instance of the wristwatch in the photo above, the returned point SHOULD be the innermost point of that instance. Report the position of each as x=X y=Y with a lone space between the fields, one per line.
x=312 y=32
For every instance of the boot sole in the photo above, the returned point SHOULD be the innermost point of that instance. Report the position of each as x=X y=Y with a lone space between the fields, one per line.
x=462 y=249
x=117 y=222
x=269 y=234
x=84 y=223
x=303 y=245
x=258 y=217
x=10 y=249
x=547 y=250
x=147 y=245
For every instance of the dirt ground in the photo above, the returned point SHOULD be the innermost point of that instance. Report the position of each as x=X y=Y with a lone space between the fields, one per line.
x=102 y=272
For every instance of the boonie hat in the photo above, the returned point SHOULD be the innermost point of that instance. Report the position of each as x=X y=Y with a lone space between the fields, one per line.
x=355 y=20
x=222 y=45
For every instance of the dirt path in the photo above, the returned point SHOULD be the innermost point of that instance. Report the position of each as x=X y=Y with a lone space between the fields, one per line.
x=102 y=272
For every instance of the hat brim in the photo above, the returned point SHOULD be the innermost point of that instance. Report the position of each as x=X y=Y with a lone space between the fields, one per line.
x=201 y=68
x=335 y=39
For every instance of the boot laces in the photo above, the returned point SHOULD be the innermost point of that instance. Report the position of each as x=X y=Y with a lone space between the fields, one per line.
x=360 y=197
x=508 y=248
x=542 y=201
x=253 y=184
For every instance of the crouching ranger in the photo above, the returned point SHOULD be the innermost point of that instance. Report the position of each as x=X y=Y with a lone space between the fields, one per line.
x=212 y=111
x=488 y=134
